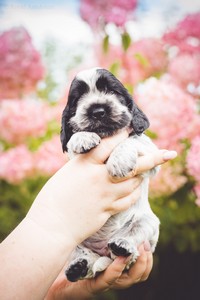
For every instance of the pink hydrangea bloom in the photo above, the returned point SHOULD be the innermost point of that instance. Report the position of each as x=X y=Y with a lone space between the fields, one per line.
x=96 y=12
x=49 y=157
x=189 y=74
x=16 y=164
x=20 y=63
x=20 y=119
x=168 y=181
x=172 y=112
x=142 y=59
x=186 y=35
x=193 y=161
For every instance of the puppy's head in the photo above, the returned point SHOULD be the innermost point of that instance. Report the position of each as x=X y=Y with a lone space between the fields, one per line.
x=98 y=102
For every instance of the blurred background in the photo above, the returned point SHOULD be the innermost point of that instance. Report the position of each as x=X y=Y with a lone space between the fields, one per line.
x=153 y=47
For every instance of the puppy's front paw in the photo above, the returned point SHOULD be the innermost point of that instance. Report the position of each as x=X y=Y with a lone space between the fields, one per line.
x=82 y=142
x=77 y=270
x=122 y=160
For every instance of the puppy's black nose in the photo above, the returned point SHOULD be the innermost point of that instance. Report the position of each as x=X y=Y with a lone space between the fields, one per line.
x=98 y=113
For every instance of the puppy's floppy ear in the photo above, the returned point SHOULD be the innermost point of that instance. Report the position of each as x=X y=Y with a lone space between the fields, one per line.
x=66 y=129
x=140 y=121
x=77 y=89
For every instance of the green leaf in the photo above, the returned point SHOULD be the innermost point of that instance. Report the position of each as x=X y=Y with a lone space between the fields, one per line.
x=126 y=40
x=106 y=44
x=114 y=68
x=151 y=134
x=142 y=60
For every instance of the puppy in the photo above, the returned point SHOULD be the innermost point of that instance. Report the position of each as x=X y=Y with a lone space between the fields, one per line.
x=99 y=106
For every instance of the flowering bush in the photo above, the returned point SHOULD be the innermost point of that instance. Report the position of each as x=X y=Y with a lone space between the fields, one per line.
x=16 y=164
x=185 y=36
x=20 y=64
x=21 y=119
x=49 y=157
x=164 y=83
x=191 y=72
x=175 y=117
x=100 y=12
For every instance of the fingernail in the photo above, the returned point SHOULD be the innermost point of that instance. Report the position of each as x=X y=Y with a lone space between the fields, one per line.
x=169 y=155
x=147 y=246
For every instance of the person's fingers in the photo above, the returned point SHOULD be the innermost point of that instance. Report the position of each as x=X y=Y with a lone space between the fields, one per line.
x=125 y=202
x=127 y=186
x=105 y=280
x=104 y=149
x=149 y=161
x=148 y=267
x=142 y=265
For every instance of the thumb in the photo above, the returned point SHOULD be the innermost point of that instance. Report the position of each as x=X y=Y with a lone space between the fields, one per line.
x=151 y=160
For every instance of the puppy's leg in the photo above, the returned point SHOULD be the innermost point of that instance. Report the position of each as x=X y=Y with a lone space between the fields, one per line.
x=81 y=265
x=82 y=142
x=123 y=159
x=127 y=240
x=101 y=264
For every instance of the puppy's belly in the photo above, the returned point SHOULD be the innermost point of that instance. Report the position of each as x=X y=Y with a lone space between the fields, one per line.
x=98 y=246
x=99 y=241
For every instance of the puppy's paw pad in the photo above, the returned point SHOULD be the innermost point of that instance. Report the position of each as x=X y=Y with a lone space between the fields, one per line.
x=82 y=142
x=77 y=270
x=120 y=247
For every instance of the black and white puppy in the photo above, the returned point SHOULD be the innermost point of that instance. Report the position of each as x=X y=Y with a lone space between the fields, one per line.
x=99 y=106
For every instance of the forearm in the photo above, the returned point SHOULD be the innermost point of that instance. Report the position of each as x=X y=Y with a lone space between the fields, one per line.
x=31 y=260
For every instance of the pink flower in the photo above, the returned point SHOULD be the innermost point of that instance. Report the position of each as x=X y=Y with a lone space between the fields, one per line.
x=193 y=161
x=20 y=64
x=186 y=35
x=20 y=119
x=16 y=164
x=172 y=112
x=168 y=181
x=49 y=157
x=96 y=12
x=185 y=69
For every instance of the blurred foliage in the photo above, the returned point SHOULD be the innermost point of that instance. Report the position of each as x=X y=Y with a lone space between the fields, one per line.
x=15 y=200
x=179 y=217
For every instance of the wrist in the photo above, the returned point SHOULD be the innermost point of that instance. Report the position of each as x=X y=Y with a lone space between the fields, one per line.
x=40 y=256
x=53 y=226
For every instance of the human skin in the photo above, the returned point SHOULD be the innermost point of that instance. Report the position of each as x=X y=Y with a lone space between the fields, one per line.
x=112 y=278
x=64 y=213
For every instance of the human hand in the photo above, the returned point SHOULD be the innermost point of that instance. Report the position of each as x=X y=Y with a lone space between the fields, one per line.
x=113 y=278
x=81 y=196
